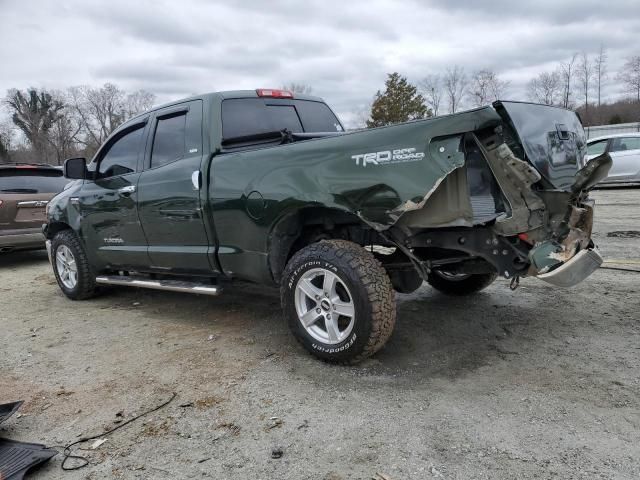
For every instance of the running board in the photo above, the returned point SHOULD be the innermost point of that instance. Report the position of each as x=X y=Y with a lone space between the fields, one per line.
x=169 y=285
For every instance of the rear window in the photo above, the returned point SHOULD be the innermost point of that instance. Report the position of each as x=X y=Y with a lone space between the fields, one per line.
x=245 y=117
x=31 y=180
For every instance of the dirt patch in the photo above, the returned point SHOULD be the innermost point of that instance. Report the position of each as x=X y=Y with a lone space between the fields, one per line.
x=624 y=234
x=207 y=402
x=536 y=383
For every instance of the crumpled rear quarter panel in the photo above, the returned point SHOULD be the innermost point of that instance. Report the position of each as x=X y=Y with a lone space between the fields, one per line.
x=332 y=172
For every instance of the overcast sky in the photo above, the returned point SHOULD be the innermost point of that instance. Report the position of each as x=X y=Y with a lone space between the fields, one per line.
x=343 y=49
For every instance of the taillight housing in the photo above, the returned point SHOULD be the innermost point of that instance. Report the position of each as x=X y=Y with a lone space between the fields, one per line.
x=273 y=93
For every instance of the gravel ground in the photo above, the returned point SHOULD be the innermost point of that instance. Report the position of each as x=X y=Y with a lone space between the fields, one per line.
x=536 y=383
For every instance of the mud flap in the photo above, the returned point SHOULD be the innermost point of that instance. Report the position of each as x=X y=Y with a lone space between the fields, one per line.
x=17 y=458
x=8 y=409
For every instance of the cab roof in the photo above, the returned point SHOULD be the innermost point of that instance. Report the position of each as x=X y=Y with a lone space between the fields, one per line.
x=224 y=95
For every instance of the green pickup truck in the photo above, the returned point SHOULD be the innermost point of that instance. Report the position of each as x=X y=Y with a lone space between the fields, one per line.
x=266 y=186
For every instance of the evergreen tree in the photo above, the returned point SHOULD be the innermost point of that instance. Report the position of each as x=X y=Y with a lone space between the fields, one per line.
x=400 y=102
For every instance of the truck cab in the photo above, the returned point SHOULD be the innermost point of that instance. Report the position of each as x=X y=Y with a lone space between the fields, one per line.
x=144 y=202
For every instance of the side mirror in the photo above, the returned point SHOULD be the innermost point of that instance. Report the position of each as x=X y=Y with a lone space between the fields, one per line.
x=75 y=168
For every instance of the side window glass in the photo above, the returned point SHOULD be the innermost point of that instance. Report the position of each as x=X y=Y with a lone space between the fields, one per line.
x=632 y=143
x=623 y=144
x=169 y=140
x=597 y=148
x=122 y=156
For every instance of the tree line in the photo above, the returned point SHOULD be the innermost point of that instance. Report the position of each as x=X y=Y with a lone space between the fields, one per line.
x=434 y=95
x=49 y=126
x=579 y=83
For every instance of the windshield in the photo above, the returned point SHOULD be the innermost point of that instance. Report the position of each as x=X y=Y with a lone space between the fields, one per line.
x=31 y=180
x=243 y=118
x=553 y=139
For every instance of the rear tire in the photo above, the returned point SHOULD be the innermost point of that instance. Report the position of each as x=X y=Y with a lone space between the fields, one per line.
x=460 y=285
x=71 y=266
x=338 y=301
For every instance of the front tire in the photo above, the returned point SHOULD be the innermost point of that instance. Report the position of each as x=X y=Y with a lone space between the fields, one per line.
x=338 y=301
x=71 y=266
x=460 y=284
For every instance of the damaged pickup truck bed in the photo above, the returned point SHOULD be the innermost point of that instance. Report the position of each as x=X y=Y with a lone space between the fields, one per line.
x=267 y=187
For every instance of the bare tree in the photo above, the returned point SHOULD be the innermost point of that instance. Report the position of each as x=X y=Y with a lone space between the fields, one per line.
x=486 y=87
x=6 y=141
x=585 y=75
x=301 y=88
x=101 y=110
x=431 y=89
x=600 y=71
x=34 y=113
x=455 y=85
x=567 y=71
x=361 y=115
x=630 y=76
x=63 y=135
x=546 y=88
x=138 y=102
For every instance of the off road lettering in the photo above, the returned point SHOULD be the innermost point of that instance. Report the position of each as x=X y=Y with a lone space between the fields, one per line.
x=386 y=157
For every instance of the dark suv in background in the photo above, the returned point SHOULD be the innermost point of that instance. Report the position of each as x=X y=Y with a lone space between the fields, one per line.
x=25 y=190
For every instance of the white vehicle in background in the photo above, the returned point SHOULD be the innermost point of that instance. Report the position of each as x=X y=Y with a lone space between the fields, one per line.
x=624 y=149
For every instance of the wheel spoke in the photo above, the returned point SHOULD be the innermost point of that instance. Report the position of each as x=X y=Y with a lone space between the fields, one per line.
x=328 y=318
x=309 y=318
x=332 y=328
x=66 y=266
x=329 y=283
x=309 y=289
x=343 y=308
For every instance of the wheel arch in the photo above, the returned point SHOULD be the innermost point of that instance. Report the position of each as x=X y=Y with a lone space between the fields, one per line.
x=297 y=229
x=55 y=227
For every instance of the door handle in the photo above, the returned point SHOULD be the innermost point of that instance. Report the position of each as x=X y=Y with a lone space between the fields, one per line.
x=196 y=180
x=126 y=191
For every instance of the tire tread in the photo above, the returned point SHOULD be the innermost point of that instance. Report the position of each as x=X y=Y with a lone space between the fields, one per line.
x=86 y=277
x=374 y=279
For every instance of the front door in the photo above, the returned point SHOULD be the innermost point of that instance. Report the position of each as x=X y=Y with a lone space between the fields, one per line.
x=110 y=226
x=169 y=191
x=625 y=154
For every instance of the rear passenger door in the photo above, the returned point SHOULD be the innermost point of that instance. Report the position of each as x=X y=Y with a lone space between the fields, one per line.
x=169 y=191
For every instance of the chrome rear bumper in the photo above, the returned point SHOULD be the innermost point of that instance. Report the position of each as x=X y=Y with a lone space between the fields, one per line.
x=574 y=270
